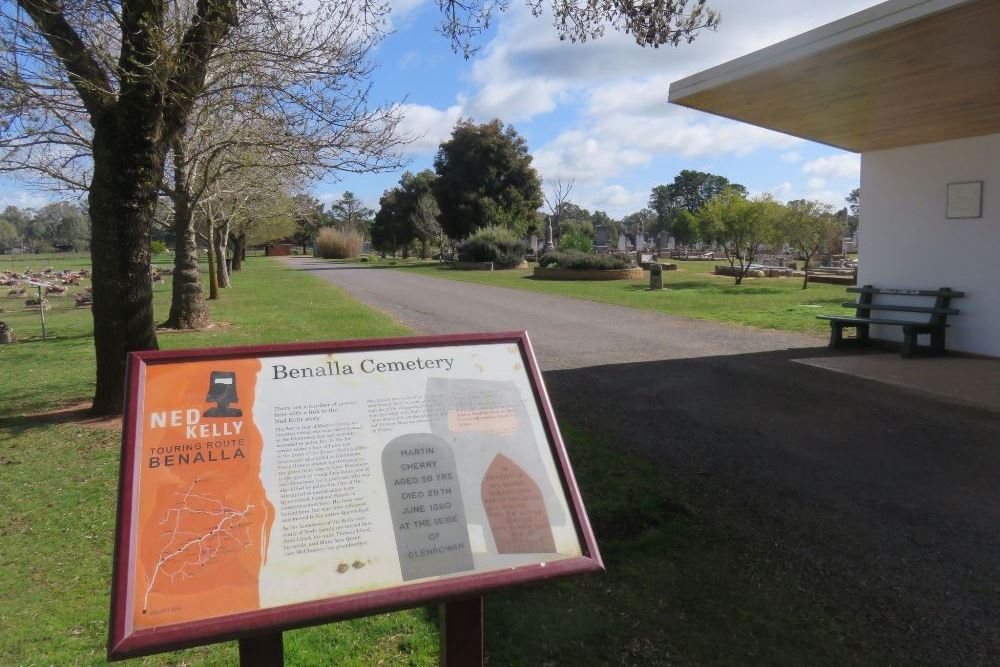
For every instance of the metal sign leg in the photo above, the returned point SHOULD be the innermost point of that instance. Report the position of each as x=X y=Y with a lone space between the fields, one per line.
x=462 y=633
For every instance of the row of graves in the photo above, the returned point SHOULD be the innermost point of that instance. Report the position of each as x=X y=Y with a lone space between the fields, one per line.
x=37 y=286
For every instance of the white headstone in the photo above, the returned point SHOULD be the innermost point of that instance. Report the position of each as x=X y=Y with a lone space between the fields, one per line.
x=622 y=243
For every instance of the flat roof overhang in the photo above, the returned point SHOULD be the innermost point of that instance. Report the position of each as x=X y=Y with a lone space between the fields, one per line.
x=901 y=73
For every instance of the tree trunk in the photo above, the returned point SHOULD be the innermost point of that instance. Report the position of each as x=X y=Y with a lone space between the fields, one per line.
x=239 y=251
x=188 y=309
x=128 y=156
x=221 y=243
x=805 y=273
x=213 y=273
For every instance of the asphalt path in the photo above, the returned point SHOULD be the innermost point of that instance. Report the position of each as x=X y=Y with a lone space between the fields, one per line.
x=565 y=333
x=879 y=507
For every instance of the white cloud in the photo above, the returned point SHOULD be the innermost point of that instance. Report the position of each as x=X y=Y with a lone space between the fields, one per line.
x=27 y=198
x=616 y=200
x=791 y=157
x=843 y=165
x=427 y=126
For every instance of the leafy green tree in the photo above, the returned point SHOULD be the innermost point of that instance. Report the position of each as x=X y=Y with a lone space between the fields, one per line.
x=480 y=169
x=743 y=227
x=809 y=227
x=575 y=237
x=64 y=225
x=349 y=212
x=684 y=227
x=689 y=192
x=854 y=203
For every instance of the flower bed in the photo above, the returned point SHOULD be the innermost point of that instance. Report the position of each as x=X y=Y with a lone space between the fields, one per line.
x=633 y=273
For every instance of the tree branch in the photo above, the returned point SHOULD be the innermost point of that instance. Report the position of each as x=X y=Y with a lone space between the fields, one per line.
x=89 y=78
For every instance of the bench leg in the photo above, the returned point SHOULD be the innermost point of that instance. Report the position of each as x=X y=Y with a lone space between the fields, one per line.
x=836 y=334
x=863 y=336
x=909 y=342
x=937 y=341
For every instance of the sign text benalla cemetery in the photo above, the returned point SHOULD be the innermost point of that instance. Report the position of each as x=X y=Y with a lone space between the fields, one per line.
x=274 y=487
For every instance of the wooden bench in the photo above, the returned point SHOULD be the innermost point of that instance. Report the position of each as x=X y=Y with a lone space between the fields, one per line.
x=935 y=324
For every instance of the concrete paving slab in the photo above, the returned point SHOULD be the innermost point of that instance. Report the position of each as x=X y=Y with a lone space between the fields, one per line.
x=966 y=380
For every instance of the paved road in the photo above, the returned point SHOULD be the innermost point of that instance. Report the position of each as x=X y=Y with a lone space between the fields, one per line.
x=871 y=508
x=566 y=333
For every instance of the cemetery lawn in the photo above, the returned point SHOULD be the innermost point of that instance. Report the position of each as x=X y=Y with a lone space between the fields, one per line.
x=671 y=595
x=691 y=291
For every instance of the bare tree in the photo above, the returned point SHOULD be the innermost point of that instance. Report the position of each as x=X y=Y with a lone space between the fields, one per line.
x=556 y=200
x=118 y=80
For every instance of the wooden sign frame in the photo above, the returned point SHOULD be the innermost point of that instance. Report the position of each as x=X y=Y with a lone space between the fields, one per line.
x=125 y=644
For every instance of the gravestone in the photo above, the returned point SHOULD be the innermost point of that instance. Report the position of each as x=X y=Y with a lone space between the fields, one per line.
x=655 y=276
x=534 y=243
x=622 y=243
x=663 y=241
x=425 y=500
x=602 y=237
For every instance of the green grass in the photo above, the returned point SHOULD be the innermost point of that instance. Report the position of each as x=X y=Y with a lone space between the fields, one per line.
x=676 y=590
x=692 y=291
x=58 y=481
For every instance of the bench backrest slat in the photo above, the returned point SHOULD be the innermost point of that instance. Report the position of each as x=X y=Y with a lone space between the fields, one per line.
x=939 y=312
x=869 y=289
x=904 y=309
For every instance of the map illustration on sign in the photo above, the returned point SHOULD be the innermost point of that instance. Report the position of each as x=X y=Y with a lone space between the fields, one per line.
x=319 y=479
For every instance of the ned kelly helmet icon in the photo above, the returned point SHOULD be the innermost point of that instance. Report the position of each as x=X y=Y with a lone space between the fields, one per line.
x=222 y=392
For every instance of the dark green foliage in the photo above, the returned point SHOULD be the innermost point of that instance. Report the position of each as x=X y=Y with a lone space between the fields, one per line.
x=493 y=244
x=406 y=214
x=574 y=259
x=62 y=226
x=482 y=168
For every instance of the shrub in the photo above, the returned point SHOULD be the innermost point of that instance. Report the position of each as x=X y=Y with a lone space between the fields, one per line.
x=576 y=239
x=157 y=247
x=493 y=244
x=574 y=259
x=338 y=244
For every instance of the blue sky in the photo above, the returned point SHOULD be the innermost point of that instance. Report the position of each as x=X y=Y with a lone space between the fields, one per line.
x=597 y=112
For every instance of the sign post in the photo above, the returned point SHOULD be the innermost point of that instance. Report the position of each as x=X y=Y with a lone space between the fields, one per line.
x=274 y=487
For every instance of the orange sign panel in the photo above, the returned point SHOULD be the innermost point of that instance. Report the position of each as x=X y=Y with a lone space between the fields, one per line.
x=273 y=487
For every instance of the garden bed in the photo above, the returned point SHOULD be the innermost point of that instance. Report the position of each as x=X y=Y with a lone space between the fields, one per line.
x=486 y=266
x=633 y=273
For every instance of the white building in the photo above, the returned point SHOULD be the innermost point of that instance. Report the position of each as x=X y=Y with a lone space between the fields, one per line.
x=914 y=87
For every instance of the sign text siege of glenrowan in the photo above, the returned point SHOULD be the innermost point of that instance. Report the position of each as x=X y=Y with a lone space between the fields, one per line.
x=273 y=487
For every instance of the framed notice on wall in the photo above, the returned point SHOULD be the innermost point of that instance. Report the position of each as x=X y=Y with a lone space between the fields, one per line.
x=267 y=488
x=965 y=200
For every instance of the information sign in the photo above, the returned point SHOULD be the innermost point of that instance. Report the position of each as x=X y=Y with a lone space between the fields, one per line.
x=265 y=488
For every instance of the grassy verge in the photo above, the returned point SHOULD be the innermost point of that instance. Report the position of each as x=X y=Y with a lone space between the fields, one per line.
x=692 y=291
x=58 y=480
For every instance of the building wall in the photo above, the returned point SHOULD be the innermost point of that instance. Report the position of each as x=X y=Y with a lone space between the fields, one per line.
x=907 y=242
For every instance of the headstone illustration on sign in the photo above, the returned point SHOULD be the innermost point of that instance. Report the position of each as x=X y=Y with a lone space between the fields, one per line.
x=484 y=418
x=515 y=509
x=425 y=499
